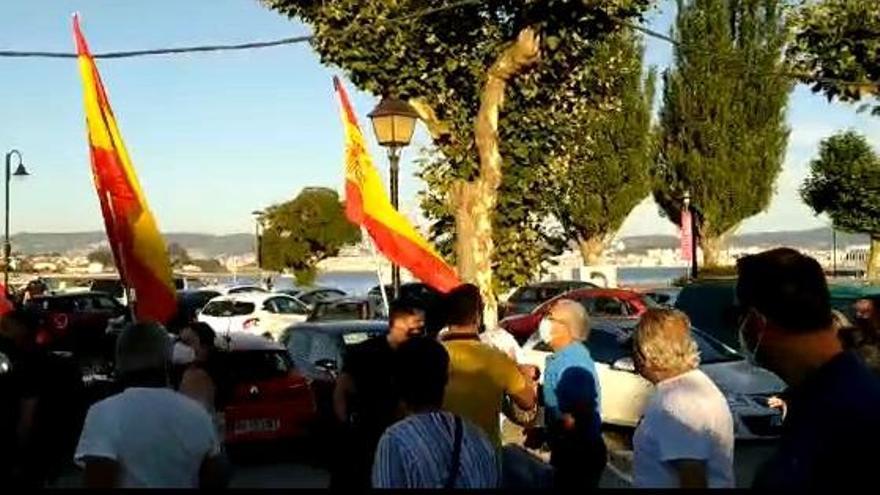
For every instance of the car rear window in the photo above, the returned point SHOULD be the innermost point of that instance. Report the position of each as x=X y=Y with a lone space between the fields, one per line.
x=257 y=365
x=339 y=311
x=228 y=309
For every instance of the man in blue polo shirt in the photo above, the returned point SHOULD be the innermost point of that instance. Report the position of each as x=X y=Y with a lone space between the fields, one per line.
x=833 y=399
x=571 y=399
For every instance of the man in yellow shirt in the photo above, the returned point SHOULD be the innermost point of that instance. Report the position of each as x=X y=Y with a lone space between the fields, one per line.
x=479 y=375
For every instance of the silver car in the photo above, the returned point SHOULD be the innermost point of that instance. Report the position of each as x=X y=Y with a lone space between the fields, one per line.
x=624 y=393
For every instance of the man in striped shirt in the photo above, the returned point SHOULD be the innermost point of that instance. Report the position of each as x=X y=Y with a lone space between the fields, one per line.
x=431 y=448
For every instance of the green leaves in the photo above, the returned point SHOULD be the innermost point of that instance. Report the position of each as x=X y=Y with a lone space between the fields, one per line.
x=844 y=182
x=300 y=233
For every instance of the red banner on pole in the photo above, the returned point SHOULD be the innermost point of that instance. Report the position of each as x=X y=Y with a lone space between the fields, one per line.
x=686 y=236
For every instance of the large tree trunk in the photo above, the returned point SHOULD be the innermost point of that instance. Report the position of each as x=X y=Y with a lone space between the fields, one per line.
x=474 y=202
x=873 y=267
x=592 y=249
x=712 y=247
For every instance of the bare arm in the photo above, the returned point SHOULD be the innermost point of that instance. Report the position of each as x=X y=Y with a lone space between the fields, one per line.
x=526 y=397
x=100 y=472
x=197 y=385
x=344 y=389
x=691 y=473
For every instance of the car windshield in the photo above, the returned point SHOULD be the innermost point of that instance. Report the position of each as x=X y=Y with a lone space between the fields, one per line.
x=339 y=311
x=227 y=309
x=246 y=366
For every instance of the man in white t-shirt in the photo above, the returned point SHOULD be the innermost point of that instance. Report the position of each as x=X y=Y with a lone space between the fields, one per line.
x=685 y=438
x=148 y=436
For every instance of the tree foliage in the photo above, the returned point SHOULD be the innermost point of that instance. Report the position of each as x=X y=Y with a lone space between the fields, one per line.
x=722 y=133
x=836 y=48
x=439 y=62
x=177 y=255
x=301 y=232
x=605 y=171
x=844 y=182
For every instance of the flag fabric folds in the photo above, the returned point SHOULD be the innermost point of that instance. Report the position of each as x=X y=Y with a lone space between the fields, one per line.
x=138 y=247
x=367 y=205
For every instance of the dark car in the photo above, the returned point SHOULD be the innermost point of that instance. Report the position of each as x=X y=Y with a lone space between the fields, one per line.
x=345 y=308
x=527 y=298
x=318 y=350
x=112 y=287
x=711 y=304
x=429 y=298
x=189 y=304
x=75 y=322
x=311 y=297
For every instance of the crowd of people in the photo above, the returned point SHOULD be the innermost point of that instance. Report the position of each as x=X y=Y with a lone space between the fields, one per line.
x=424 y=411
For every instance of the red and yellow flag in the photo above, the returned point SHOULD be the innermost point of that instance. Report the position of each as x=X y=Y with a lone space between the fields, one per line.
x=367 y=204
x=137 y=245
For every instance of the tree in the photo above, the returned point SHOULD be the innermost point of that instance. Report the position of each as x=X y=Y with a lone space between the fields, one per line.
x=844 y=182
x=605 y=172
x=457 y=65
x=177 y=255
x=102 y=256
x=209 y=265
x=722 y=135
x=836 y=49
x=300 y=233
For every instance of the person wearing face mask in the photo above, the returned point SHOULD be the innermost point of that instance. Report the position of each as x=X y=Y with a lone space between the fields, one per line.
x=833 y=399
x=365 y=400
x=571 y=399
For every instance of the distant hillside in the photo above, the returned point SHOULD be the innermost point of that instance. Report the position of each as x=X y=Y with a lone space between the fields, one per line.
x=804 y=239
x=68 y=243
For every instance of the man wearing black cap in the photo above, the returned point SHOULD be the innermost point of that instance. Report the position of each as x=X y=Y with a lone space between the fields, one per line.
x=833 y=398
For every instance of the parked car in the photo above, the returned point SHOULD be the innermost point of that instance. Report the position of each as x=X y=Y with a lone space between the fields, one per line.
x=430 y=299
x=607 y=303
x=189 y=304
x=264 y=396
x=711 y=304
x=345 y=308
x=663 y=296
x=233 y=289
x=76 y=322
x=527 y=298
x=255 y=313
x=318 y=351
x=624 y=393
x=310 y=297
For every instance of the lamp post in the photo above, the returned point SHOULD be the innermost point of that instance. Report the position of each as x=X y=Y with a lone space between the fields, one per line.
x=258 y=240
x=393 y=123
x=690 y=208
x=20 y=171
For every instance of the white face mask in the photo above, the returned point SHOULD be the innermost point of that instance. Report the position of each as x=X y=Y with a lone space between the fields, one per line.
x=750 y=354
x=182 y=354
x=545 y=330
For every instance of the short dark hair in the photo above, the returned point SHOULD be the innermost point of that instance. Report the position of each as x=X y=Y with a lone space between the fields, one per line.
x=787 y=287
x=463 y=305
x=206 y=335
x=421 y=370
x=403 y=307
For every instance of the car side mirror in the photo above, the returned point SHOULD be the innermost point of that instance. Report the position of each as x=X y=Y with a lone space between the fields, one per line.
x=624 y=364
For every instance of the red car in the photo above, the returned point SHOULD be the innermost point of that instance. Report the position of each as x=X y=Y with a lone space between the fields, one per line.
x=605 y=303
x=265 y=397
x=75 y=322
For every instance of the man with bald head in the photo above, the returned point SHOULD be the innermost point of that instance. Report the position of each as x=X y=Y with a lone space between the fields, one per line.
x=571 y=399
x=148 y=436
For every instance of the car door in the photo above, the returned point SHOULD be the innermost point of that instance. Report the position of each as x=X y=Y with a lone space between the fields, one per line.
x=281 y=312
x=624 y=392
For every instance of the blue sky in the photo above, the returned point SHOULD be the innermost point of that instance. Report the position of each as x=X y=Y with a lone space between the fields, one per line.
x=215 y=136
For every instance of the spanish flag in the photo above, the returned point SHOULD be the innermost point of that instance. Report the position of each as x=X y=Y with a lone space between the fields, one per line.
x=137 y=245
x=367 y=204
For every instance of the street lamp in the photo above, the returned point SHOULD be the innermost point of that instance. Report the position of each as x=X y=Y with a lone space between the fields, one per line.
x=258 y=240
x=20 y=171
x=394 y=121
x=694 y=213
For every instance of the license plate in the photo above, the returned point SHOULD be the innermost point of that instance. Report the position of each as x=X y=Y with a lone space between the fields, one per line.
x=257 y=426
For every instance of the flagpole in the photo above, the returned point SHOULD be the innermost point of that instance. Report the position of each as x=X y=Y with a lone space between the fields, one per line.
x=378 y=270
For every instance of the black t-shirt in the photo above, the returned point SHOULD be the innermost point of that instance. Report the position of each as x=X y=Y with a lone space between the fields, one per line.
x=18 y=381
x=374 y=405
x=832 y=430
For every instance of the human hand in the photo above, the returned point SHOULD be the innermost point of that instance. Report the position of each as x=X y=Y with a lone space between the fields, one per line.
x=530 y=371
x=776 y=402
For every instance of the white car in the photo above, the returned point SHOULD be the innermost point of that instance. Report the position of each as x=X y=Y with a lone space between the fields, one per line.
x=233 y=289
x=255 y=313
x=624 y=394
